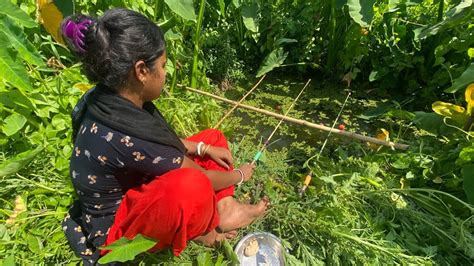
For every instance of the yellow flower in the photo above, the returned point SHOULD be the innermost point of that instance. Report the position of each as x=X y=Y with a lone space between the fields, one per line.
x=469 y=94
x=84 y=87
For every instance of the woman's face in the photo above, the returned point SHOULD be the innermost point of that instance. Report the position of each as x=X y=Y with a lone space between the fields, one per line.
x=156 y=79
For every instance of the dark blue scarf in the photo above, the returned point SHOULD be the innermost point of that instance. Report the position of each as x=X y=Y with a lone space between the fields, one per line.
x=118 y=113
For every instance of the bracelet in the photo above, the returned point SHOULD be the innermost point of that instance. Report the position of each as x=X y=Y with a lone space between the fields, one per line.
x=198 y=148
x=241 y=176
x=205 y=149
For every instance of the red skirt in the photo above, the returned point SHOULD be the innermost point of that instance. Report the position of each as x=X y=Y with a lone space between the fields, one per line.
x=175 y=207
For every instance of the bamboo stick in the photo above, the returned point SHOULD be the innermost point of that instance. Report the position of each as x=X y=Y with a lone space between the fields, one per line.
x=304 y=122
x=238 y=103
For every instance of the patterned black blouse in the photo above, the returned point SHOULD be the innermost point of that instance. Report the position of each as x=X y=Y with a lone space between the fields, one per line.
x=105 y=163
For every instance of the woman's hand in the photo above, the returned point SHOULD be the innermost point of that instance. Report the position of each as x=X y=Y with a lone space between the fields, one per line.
x=220 y=155
x=247 y=170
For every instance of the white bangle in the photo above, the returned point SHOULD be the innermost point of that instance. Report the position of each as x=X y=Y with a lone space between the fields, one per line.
x=198 y=148
x=241 y=176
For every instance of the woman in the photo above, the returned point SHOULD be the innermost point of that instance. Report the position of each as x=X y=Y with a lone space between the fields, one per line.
x=131 y=172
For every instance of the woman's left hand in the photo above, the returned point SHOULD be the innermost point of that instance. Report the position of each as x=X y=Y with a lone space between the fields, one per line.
x=221 y=156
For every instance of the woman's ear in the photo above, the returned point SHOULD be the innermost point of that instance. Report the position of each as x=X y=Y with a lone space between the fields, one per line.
x=141 y=71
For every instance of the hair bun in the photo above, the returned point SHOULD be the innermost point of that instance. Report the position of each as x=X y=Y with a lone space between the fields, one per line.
x=74 y=30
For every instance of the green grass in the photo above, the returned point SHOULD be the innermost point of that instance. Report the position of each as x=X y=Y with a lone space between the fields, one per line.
x=354 y=212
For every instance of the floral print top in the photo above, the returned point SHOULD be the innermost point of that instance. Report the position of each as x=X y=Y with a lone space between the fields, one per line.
x=104 y=164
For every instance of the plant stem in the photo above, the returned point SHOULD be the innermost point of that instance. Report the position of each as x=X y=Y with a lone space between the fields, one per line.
x=39 y=185
x=158 y=9
x=194 y=73
x=440 y=11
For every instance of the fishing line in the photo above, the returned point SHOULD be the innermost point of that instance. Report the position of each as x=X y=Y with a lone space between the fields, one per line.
x=239 y=102
x=308 y=177
x=265 y=144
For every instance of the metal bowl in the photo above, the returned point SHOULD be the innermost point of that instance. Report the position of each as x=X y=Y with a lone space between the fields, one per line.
x=270 y=250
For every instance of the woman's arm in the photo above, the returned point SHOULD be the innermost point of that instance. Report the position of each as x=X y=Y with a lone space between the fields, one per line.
x=220 y=155
x=220 y=179
x=191 y=146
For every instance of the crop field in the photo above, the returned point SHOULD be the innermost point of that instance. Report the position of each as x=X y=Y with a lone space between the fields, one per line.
x=399 y=71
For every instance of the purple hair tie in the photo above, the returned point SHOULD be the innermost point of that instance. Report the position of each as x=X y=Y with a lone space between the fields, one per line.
x=76 y=33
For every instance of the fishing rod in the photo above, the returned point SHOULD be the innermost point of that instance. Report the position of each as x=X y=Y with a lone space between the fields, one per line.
x=239 y=102
x=308 y=177
x=265 y=144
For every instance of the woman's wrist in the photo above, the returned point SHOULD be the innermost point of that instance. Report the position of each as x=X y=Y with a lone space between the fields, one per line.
x=241 y=176
x=198 y=151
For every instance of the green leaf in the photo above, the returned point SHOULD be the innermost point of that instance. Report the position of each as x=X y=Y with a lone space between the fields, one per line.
x=462 y=81
x=274 y=59
x=237 y=3
x=184 y=8
x=249 y=16
x=466 y=156
x=470 y=53
x=454 y=17
x=468 y=182
x=8 y=9
x=3 y=230
x=34 y=244
x=229 y=253
x=432 y=123
x=12 y=166
x=11 y=69
x=361 y=12
x=125 y=249
x=222 y=7
x=401 y=114
x=204 y=259
x=14 y=99
x=373 y=75
x=18 y=41
x=375 y=112
x=13 y=123
x=284 y=40
x=9 y=261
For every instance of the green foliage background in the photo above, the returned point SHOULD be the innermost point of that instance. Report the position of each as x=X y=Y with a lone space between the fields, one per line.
x=364 y=206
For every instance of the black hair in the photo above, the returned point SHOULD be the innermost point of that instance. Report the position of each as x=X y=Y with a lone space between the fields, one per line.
x=114 y=42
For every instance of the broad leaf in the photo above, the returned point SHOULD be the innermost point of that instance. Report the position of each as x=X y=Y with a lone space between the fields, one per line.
x=456 y=112
x=284 y=40
x=184 y=8
x=249 y=16
x=125 y=249
x=466 y=77
x=19 y=42
x=12 y=166
x=454 y=16
x=14 y=99
x=11 y=69
x=8 y=9
x=13 y=123
x=432 y=123
x=361 y=12
x=274 y=59
x=468 y=182
x=375 y=112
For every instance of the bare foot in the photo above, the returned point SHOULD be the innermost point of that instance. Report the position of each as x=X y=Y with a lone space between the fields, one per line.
x=234 y=215
x=214 y=238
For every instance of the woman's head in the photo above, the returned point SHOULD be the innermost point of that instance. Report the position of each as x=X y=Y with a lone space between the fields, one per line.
x=118 y=49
